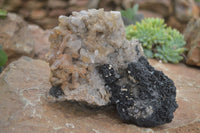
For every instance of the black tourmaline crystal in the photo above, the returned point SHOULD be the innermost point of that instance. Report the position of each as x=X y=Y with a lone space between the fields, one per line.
x=143 y=95
x=56 y=91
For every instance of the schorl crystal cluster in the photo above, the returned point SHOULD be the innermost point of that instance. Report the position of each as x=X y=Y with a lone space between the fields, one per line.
x=143 y=95
x=92 y=62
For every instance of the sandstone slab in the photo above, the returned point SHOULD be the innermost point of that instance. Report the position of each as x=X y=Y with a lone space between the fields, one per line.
x=25 y=81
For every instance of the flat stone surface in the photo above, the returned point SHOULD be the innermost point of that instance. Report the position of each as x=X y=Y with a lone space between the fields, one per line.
x=24 y=108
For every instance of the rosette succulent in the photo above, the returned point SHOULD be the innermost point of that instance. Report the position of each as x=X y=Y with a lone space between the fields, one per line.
x=158 y=40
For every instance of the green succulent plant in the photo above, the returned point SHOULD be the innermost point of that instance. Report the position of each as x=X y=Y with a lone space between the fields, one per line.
x=131 y=15
x=158 y=40
x=3 y=55
x=197 y=1
x=3 y=13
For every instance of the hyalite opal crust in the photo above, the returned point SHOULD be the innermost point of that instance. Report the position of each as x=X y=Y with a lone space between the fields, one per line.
x=92 y=62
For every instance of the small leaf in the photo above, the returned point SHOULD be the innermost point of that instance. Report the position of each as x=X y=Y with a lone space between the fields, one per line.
x=148 y=53
x=3 y=58
x=130 y=13
x=3 y=13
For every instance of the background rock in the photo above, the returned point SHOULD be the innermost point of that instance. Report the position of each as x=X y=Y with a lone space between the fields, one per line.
x=18 y=38
x=192 y=37
x=182 y=11
x=158 y=6
x=25 y=81
x=41 y=41
x=15 y=37
x=149 y=14
x=46 y=12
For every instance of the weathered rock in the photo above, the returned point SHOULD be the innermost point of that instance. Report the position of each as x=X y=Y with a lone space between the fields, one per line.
x=41 y=41
x=22 y=112
x=92 y=62
x=10 y=5
x=57 y=3
x=92 y=4
x=198 y=5
x=185 y=10
x=158 y=6
x=182 y=11
x=47 y=22
x=15 y=37
x=81 y=43
x=33 y=5
x=174 y=23
x=149 y=14
x=192 y=37
x=38 y=14
x=19 y=38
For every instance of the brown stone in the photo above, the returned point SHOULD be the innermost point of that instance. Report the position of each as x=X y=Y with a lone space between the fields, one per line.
x=192 y=37
x=184 y=10
x=149 y=14
x=15 y=37
x=93 y=4
x=75 y=8
x=198 y=5
x=34 y=5
x=78 y=3
x=10 y=5
x=41 y=41
x=38 y=14
x=174 y=23
x=47 y=22
x=25 y=13
x=57 y=12
x=57 y=4
x=158 y=6
x=24 y=108
x=18 y=38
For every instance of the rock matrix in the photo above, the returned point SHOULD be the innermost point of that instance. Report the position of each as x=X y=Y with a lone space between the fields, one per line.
x=92 y=62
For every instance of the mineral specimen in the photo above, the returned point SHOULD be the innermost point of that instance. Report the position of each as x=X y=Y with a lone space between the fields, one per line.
x=143 y=95
x=92 y=62
x=82 y=42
